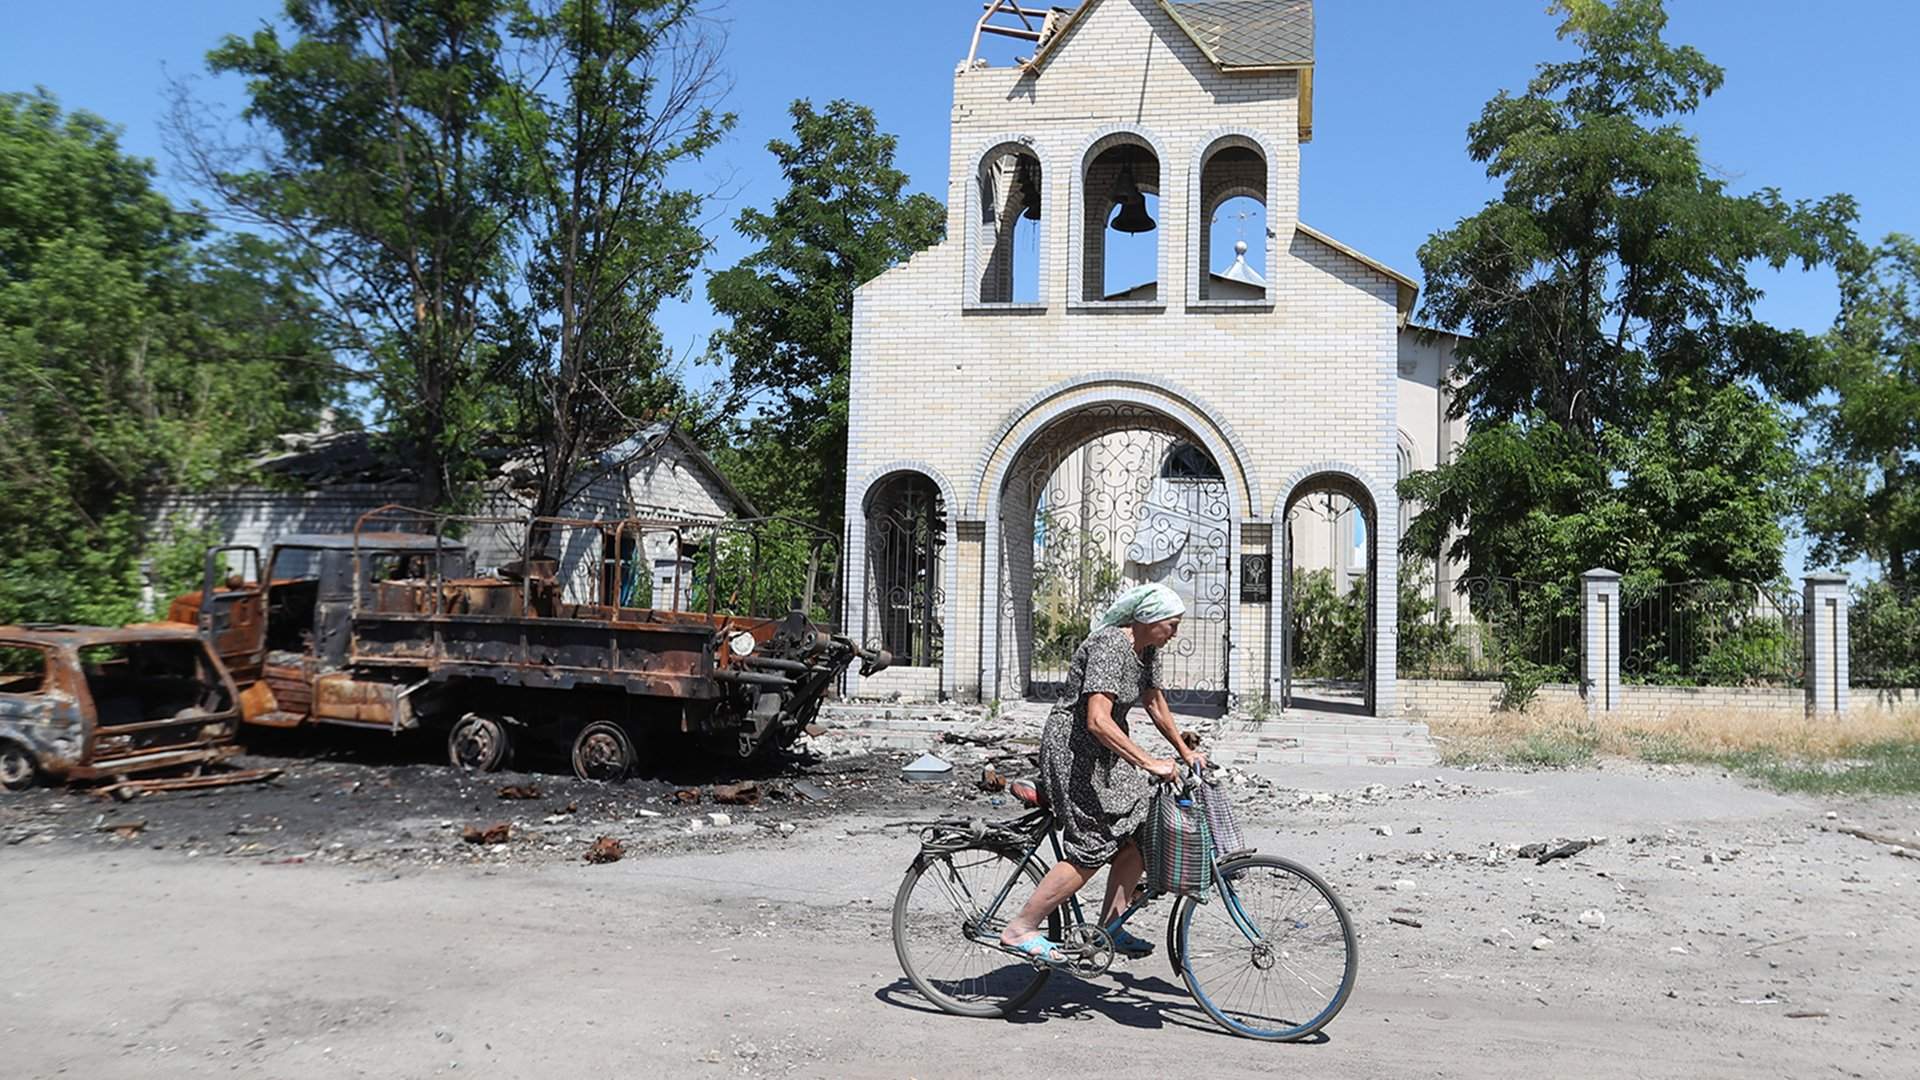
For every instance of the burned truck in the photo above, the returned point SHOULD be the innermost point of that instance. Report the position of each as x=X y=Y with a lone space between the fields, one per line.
x=574 y=644
x=85 y=703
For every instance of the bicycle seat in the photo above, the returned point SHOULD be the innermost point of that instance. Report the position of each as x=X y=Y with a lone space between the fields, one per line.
x=1027 y=792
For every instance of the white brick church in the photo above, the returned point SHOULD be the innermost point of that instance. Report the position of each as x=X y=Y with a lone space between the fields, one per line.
x=1097 y=380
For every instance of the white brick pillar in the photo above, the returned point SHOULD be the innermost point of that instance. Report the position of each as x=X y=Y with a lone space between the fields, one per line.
x=1827 y=665
x=1600 y=630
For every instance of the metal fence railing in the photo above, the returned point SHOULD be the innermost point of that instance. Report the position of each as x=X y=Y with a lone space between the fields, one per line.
x=1711 y=633
x=1489 y=627
x=1883 y=636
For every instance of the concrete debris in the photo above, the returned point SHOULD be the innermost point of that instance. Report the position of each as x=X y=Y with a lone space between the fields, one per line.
x=605 y=850
x=1546 y=852
x=1542 y=943
x=1383 y=830
x=720 y=820
x=809 y=791
x=1404 y=921
x=1593 y=917
x=928 y=768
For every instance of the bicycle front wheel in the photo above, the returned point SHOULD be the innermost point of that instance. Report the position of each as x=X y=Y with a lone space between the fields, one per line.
x=1272 y=955
x=946 y=919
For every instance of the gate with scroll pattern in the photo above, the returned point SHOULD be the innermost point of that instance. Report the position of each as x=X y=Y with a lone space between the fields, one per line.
x=1111 y=497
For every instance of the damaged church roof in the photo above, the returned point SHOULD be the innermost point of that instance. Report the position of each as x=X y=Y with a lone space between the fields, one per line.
x=1249 y=33
x=1236 y=36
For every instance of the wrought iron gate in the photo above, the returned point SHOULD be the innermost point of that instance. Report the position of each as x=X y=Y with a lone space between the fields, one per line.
x=1113 y=498
x=906 y=583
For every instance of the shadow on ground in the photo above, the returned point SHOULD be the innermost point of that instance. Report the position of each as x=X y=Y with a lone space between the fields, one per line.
x=1145 y=1002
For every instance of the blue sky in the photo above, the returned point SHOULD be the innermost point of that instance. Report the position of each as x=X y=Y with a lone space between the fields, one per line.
x=1817 y=101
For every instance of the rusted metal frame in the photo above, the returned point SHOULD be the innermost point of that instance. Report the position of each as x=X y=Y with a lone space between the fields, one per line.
x=171 y=758
x=192 y=783
x=206 y=570
x=154 y=725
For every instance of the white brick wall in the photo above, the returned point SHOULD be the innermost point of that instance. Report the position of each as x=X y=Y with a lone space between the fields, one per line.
x=1269 y=390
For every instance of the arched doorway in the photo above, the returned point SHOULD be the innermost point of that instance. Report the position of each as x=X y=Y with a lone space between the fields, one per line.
x=1329 y=603
x=905 y=587
x=1101 y=499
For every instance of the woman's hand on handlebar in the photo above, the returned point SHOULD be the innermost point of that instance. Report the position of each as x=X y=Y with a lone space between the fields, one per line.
x=1197 y=761
x=1163 y=769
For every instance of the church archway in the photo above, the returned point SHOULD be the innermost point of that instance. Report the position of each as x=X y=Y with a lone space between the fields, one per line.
x=1329 y=568
x=1093 y=497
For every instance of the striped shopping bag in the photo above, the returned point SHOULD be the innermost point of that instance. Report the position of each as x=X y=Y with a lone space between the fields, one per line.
x=1179 y=844
x=1222 y=824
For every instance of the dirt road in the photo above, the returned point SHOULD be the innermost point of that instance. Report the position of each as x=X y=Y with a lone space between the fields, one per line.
x=749 y=949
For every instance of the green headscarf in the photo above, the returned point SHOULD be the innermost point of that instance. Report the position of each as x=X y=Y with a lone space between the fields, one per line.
x=1144 y=604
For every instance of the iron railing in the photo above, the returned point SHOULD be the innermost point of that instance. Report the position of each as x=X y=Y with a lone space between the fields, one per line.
x=1711 y=633
x=1488 y=627
x=1883 y=636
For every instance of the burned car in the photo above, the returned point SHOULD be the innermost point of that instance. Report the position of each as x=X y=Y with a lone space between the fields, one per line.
x=593 y=647
x=83 y=703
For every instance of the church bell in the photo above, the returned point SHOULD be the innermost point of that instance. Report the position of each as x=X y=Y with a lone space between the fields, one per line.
x=1029 y=177
x=1132 y=217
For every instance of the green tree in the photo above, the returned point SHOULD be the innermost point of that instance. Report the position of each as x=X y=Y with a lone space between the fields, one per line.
x=624 y=94
x=1866 y=469
x=1610 y=319
x=843 y=220
x=135 y=353
x=378 y=159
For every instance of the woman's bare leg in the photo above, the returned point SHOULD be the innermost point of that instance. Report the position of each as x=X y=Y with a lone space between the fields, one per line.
x=1062 y=881
x=1128 y=867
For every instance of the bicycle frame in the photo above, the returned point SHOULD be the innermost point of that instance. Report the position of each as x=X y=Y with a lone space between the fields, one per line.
x=1039 y=827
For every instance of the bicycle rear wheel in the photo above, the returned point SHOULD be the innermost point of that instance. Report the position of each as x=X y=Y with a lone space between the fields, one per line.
x=944 y=936
x=1273 y=955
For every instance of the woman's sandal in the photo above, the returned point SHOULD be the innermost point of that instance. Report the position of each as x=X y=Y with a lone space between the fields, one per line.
x=1041 y=951
x=1130 y=946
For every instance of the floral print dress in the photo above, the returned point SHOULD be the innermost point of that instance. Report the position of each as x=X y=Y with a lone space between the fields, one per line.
x=1098 y=797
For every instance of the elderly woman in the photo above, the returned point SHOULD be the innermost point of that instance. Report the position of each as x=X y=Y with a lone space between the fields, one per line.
x=1096 y=778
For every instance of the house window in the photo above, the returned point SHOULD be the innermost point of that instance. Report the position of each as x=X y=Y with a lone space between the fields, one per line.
x=1012 y=217
x=1120 y=228
x=1232 y=263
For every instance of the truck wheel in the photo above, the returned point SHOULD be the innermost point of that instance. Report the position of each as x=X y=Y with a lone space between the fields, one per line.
x=602 y=751
x=478 y=743
x=18 y=771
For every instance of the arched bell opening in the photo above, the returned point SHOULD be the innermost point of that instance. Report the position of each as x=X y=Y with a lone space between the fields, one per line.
x=1121 y=202
x=1010 y=195
x=1233 y=225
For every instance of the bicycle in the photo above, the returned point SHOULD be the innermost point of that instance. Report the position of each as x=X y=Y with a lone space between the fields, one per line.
x=1262 y=963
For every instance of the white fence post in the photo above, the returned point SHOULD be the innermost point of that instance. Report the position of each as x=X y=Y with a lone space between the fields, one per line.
x=1827 y=663
x=1600 y=633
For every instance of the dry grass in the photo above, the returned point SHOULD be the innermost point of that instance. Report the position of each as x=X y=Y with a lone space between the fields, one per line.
x=1563 y=734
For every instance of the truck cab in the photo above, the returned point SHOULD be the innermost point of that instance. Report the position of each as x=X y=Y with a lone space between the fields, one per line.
x=283 y=632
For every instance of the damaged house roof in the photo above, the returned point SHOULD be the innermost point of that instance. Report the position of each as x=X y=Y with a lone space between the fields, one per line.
x=327 y=459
